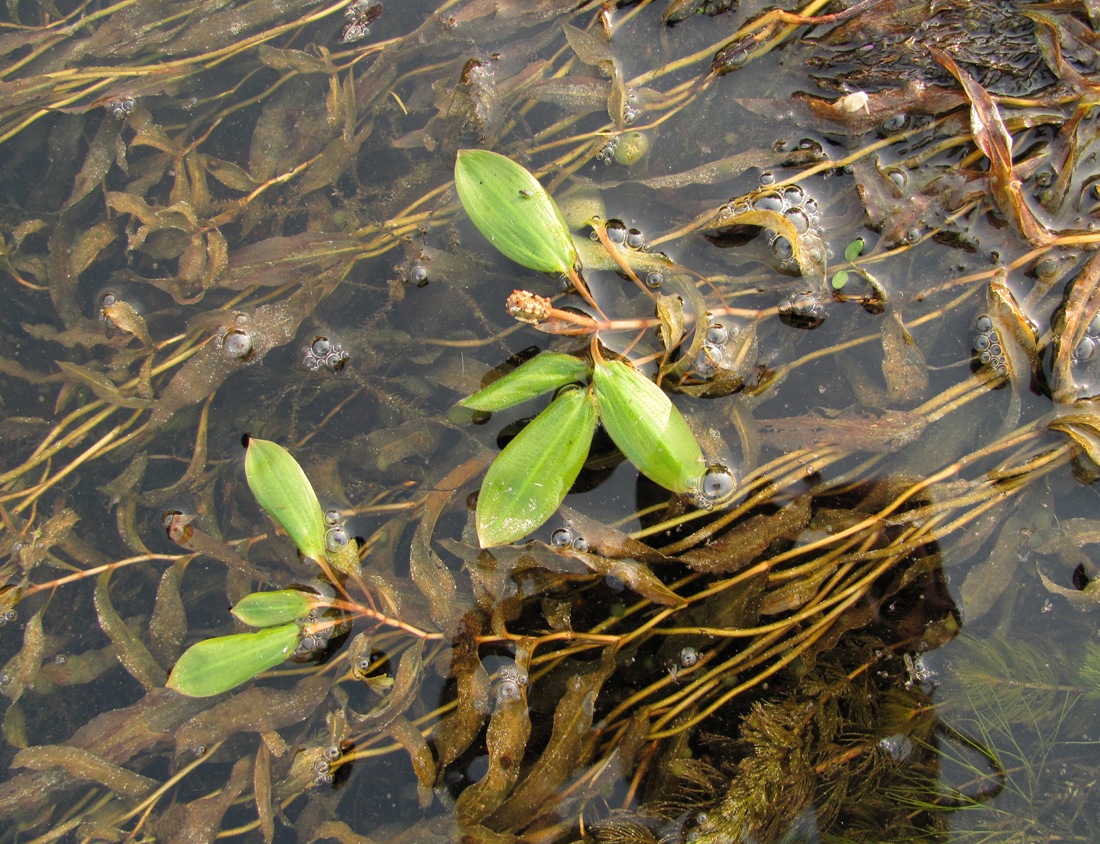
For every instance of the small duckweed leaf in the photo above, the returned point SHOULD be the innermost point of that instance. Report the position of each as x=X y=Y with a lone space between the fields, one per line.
x=513 y=211
x=284 y=491
x=840 y=278
x=541 y=374
x=530 y=477
x=854 y=249
x=647 y=427
x=217 y=665
x=267 y=609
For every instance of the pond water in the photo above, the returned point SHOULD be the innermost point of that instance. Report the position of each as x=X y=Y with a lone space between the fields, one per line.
x=861 y=236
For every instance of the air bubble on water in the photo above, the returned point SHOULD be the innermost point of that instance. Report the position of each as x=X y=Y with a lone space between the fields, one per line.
x=654 y=280
x=635 y=239
x=616 y=231
x=688 y=657
x=782 y=248
x=718 y=484
x=336 y=538
x=332 y=518
x=770 y=201
x=718 y=334
x=983 y=323
x=896 y=123
x=419 y=275
x=1084 y=350
x=767 y=178
x=332 y=753
x=561 y=538
x=237 y=343
x=320 y=346
x=580 y=544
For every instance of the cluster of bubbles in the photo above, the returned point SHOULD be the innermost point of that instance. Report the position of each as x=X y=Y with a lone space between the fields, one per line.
x=802 y=310
x=626 y=149
x=619 y=234
x=688 y=657
x=714 y=488
x=235 y=341
x=322 y=632
x=324 y=768
x=323 y=353
x=987 y=345
x=798 y=208
x=712 y=356
x=10 y=617
x=898 y=746
x=121 y=107
x=511 y=681
x=336 y=536
x=358 y=17
x=566 y=537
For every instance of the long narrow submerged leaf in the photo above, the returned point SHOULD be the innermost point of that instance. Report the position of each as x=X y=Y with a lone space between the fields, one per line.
x=266 y=609
x=529 y=479
x=217 y=665
x=541 y=374
x=513 y=211
x=647 y=427
x=285 y=492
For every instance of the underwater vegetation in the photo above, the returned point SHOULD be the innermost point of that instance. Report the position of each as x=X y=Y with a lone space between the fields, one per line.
x=549 y=421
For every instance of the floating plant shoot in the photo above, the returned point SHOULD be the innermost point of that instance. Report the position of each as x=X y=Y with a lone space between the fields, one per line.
x=290 y=620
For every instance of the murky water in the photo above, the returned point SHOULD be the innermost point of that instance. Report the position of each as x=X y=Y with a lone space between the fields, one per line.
x=868 y=286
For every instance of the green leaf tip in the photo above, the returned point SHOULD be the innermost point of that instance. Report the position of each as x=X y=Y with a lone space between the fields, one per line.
x=527 y=482
x=267 y=609
x=541 y=374
x=283 y=490
x=513 y=211
x=217 y=665
x=646 y=426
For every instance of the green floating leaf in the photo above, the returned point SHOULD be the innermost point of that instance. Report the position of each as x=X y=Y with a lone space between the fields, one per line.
x=513 y=211
x=541 y=374
x=285 y=492
x=266 y=609
x=530 y=477
x=218 y=665
x=647 y=427
x=840 y=278
x=854 y=249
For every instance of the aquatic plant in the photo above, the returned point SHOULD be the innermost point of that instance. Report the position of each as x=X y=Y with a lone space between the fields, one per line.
x=294 y=622
x=247 y=217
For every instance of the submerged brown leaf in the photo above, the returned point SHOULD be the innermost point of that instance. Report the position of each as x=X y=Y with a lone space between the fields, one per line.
x=84 y=765
x=995 y=142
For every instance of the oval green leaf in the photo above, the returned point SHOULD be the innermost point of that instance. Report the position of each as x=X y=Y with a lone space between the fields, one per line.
x=218 y=665
x=540 y=375
x=266 y=609
x=284 y=491
x=647 y=427
x=854 y=249
x=530 y=477
x=513 y=211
